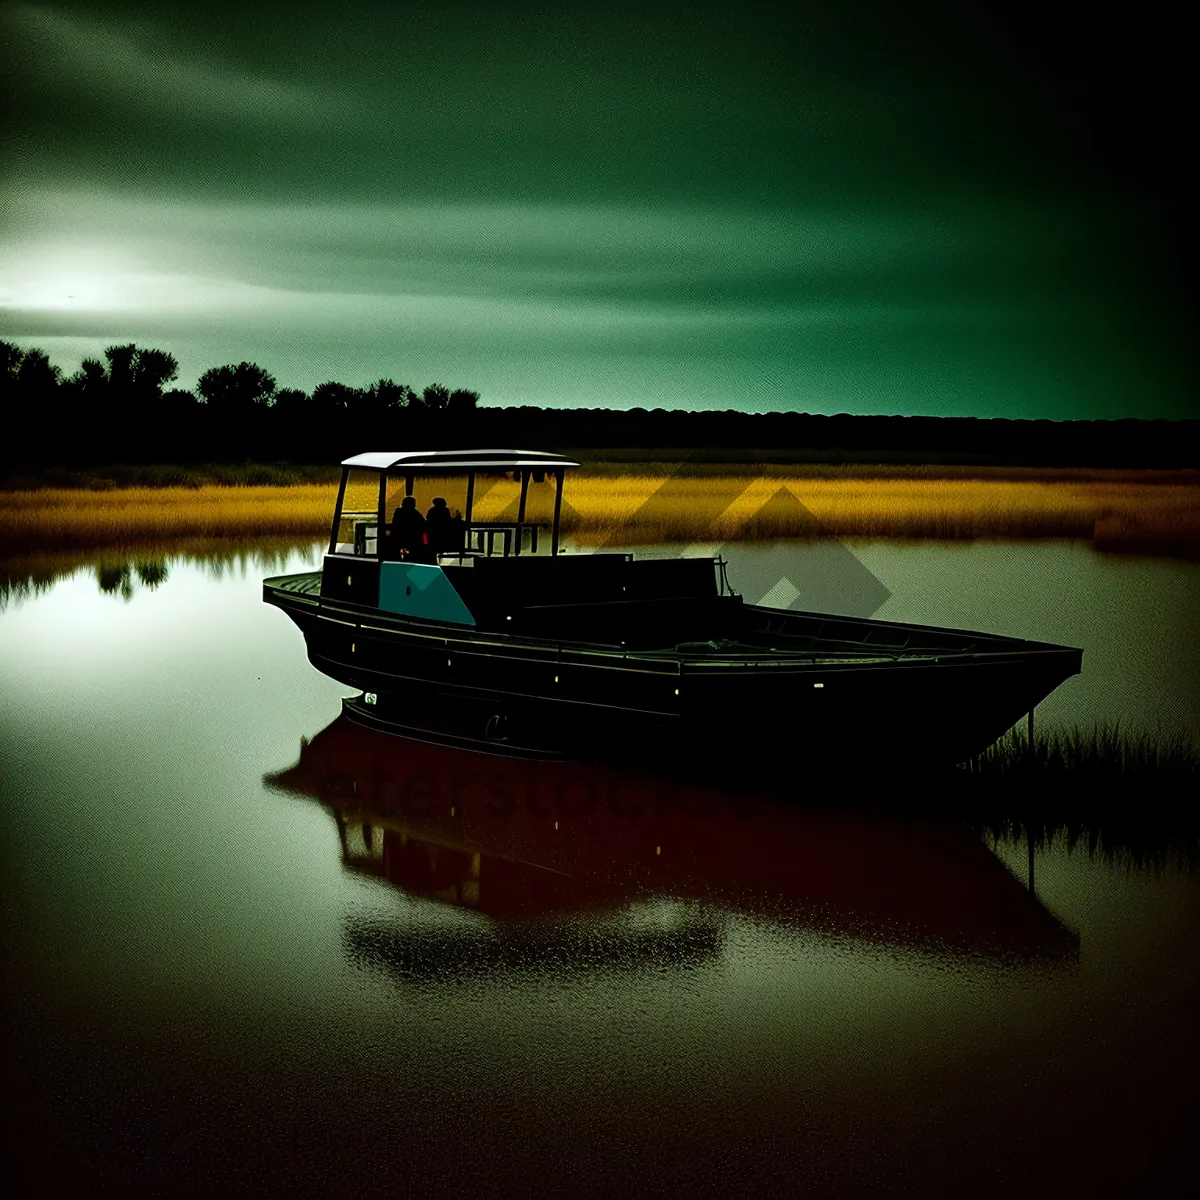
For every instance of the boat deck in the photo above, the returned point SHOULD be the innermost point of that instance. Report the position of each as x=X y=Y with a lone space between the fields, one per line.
x=721 y=632
x=308 y=584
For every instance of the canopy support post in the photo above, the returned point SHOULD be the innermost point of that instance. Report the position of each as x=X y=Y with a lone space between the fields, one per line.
x=381 y=529
x=521 y=510
x=337 y=511
x=558 y=491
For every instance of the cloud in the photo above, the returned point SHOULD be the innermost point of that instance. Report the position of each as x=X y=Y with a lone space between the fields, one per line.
x=634 y=255
x=597 y=301
x=133 y=68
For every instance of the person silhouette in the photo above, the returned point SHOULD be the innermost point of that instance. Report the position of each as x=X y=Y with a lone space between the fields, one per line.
x=438 y=524
x=408 y=529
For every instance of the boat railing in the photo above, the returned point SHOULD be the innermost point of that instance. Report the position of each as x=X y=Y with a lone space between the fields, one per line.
x=358 y=534
x=514 y=535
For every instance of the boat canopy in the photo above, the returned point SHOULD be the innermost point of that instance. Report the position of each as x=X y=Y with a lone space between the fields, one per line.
x=360 y=525
x=463 y=460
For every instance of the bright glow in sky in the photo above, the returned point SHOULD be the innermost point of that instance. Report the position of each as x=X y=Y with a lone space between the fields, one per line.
x=84 y=279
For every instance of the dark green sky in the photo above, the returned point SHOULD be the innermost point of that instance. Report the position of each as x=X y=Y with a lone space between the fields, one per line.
x=851 y=207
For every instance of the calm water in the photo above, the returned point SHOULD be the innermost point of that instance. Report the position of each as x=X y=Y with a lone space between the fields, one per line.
x=250 y=945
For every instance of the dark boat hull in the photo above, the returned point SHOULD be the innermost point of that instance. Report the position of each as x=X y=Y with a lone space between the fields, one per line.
x=944 y=706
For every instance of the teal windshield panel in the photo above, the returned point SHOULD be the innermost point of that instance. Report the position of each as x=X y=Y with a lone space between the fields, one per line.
x=421 y=590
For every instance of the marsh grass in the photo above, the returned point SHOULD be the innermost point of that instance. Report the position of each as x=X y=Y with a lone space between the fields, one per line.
x=1105 y=750
x=1115 y=513
x=125 y=519
x=1115 y=510
x=1124 y=797
x=167 y=475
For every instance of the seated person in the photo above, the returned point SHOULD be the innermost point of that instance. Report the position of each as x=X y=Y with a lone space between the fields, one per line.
x=408 y=530
x=438 y=524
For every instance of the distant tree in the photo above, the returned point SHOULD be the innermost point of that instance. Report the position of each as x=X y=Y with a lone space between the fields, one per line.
x=335 y=397
x=436 y=397
x=141 y=368
x=10 y=360
x=153 y=370
x=462 y=401
x=91 y=376
x=388 y=397
x=36 y=374
x=131 y=380
x=82 y=402
x=237 y=389
x=30 y=397
x=409 y=399
x=291 y=402
x=121 y=361
x=181 y=412
x=34 y=386
x=85 y=396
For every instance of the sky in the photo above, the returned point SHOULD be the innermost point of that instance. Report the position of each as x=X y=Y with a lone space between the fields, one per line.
x=853 y=207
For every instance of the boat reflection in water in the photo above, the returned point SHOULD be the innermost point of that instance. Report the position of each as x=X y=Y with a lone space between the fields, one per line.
x=574 y=864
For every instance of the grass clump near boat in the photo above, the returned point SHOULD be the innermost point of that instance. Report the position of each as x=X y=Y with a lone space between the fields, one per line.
x=1106 y=751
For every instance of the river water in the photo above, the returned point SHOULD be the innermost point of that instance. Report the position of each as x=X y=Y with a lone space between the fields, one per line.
x=252 y=946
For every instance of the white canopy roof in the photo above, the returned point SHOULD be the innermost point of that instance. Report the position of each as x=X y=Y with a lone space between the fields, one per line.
x=460 y=460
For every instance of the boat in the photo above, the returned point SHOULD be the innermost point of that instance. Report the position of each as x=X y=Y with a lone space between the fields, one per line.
x=497 y=636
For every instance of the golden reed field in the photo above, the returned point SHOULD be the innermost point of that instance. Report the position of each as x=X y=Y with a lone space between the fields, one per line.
x=1116 y=510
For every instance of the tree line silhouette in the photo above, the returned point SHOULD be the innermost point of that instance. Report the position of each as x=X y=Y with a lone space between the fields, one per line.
x=122 y=409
